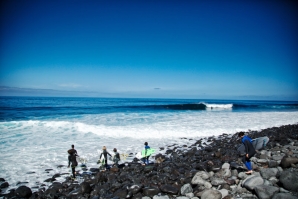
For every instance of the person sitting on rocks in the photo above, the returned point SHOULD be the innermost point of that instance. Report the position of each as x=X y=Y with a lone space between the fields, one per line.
x=72 y=153
x=146 y=157
x=116 y=158
x=249 y=151
x=105 y=154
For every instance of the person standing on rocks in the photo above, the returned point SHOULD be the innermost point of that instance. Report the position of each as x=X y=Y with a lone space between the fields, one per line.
x=105 y=155
x=116 y=158
x=72 y=159
x=146 y=157
x=249 y=151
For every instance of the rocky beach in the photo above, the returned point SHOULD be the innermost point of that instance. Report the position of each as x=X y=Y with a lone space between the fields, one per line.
x=208 y=169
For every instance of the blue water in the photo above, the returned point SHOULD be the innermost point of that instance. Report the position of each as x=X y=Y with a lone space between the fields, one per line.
x=36 y=132
x=30 y=108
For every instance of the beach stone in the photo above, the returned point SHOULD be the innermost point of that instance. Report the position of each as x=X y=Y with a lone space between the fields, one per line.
x=161 y=197
x=150 y=191
x=267 y=173
x=186 y=189
x=289 y=180
x=252 y=182
x=224 y=173
x=146 y=197
x=225 y=166
x=242 y=175
x=211 y=194
x=190 y=195
x=134 y=189
x=85 y=188
x=23 y=192
x=277 y=157
x=283 y=196
x=272 y=163
x=121 y=193
x=183 y=197
x=224 y=192
x=265 y=192
x=287 y=161
x=4 y=185
x=169 y=189
x=203 y=174
x=2 y=180
x=218 y=181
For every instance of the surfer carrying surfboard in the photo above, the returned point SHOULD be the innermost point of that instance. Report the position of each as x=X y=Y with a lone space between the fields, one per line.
x=146 y=155
x=249 y=151
x=72 y=153
x=105 y=155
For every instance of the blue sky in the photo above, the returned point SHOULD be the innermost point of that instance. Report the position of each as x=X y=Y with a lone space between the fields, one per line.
x=164 y=49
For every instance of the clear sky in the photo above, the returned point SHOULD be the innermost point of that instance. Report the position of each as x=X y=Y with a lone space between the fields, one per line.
x=150 y=48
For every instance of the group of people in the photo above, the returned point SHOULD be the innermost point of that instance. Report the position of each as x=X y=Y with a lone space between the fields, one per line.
x=247 y=141
x=72 y=157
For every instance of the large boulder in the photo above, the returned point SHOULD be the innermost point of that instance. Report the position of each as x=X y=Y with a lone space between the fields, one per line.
x=252 y=182
x=283 y=196
x=287 y=161
x=289 y=180
x=267 y=173
x=265 y=192
x=23 y=192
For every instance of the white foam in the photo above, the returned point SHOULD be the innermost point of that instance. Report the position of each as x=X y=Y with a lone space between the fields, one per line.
x=33 y=146
x=218 y=106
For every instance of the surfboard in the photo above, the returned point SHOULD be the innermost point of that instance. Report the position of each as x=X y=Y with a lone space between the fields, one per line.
x=258 y=144
x=150 y=151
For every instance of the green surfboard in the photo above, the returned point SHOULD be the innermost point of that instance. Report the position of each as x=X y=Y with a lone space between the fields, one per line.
x=149 y=152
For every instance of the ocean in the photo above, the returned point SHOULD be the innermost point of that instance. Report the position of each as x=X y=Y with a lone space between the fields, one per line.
x=36 y=132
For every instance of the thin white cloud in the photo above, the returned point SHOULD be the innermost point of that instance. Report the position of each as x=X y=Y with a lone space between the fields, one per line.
x=70 y=85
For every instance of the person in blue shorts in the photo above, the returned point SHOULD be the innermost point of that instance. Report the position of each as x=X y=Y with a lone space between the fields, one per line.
x=249 y=151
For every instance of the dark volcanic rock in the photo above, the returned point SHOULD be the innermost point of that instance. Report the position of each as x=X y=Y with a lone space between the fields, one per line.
x=85 y=188
x=289 y=180
x=23 y=192
x=287 y=161
x=4 y=185
x=169 y=189
x=150 y=191
x=264 y=191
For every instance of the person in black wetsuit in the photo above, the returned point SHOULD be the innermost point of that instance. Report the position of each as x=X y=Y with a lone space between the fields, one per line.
x=116 y=158
x=105 y=155
x=249 y=151
x=72 y=153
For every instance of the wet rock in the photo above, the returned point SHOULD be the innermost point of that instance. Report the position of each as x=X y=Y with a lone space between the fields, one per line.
x=161 y=197
x=23 y=192
x=287 y=161
x=169 y=189
x=2 y=180
x=289 y=180
x=265 y=192
x=211 y=194
x=272 y=163
x=4 y=185
x=186 y=189
x=114 y=169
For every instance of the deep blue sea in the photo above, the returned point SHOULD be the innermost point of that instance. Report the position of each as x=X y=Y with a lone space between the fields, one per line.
x=36 y=132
